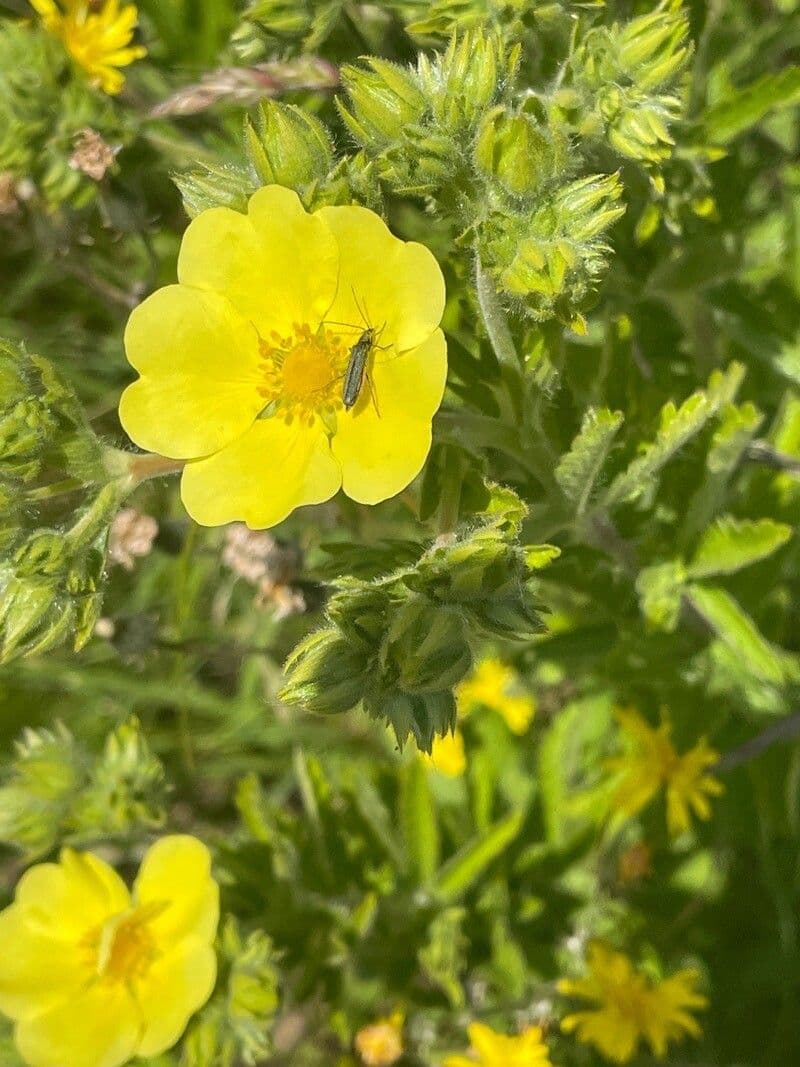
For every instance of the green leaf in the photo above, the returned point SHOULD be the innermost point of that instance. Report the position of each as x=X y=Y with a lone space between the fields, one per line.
x=660 y=589
x=417 y=814
x=739 y=633
x=578 y=469
x=464 y=869
x=748 y=106
x=678 y=426
x=731 y=544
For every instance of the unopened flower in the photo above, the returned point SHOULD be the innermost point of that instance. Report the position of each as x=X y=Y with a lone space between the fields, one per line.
x=244 y=363
x=92 y=156
x=630 y=1007
x=97 y=36
x=132 y=534
x=448 y=755
x=491 y=1049
x=495 y=685
x=651 y=763
x=93 y=974
x=381 y=1043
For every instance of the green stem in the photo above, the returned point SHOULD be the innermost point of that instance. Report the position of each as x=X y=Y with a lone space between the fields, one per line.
x=451 y=492
x=494 y=319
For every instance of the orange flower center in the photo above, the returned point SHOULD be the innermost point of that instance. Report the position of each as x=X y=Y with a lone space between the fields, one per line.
x=123 y=948
x=303 y=373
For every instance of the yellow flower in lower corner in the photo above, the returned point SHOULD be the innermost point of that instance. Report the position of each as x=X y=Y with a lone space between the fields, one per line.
x=97 y=36
x=630 y=1007
x=651 y=763
x=448 y=755
x=491 y=1049
x=381 y=1043
x=245 y=363
x=495 y=685
x=93 y=974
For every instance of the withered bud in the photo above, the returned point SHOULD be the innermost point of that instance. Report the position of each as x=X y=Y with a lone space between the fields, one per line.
x=92 y=156
x=132 y=534
x=255 y=555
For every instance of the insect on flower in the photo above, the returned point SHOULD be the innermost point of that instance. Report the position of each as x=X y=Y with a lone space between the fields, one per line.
x=356 y=371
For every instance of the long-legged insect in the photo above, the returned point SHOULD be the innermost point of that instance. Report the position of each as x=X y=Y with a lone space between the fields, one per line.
x=356 y=372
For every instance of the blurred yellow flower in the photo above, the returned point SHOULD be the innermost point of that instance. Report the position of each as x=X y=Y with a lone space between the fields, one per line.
x=490 y=1049
x=242 y=363
x=93 y=974
x=381 y=1043
x=630 y=1007
x=96 y=35
x=651 y=763
x=493 y=684
x=448 y=755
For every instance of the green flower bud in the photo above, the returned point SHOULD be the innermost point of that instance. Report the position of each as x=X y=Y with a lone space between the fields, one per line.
x=654 y=49
x=422 y=716
x=383 y=102
x=326 y=673
x=522 y=154
x=287 y=146
x=467 y=78
x=427 y=647
x=360 y=610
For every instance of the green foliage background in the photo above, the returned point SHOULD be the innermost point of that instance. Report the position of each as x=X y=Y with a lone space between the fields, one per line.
x=616 y=206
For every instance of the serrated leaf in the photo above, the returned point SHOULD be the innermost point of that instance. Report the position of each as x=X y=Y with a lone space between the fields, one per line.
x=731 y=544
x=749 y=105
x=739 y=633
x=577 y=471
x=678 y=425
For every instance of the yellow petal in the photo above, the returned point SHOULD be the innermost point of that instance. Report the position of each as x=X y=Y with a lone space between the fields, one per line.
x=66 y=899
x=396 y=285
x=36 y=971
x=176 y=872
x=199 y=361
x=483 y=1039
x=99 y=1027
x=277 y=264
x=381 y=449
x=175 y=987
x=260 y=478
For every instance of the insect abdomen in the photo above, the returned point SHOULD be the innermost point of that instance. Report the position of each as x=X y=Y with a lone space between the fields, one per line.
x=356 y=368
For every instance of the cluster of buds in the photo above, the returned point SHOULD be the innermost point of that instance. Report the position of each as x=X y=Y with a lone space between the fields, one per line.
x=55 y=132
x=236 y=1025
x=55 y=791
x=400 y=644
x=53 y=551
x=626 y=83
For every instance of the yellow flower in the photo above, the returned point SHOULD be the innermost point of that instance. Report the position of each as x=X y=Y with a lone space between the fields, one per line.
x=491 y=685
x=631 y=1008
x=490 y=1049
x=652 y=763
x=242 y=363
x=381 y=1044
x=93 y=974
x=96 y=35
x=448 y=755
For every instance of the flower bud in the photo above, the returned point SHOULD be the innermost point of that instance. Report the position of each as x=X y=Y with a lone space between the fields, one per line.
x=360 y=610
x=422 y=716
x=520 y=153
x=287 y=146
x=326 y=673
x=383 y=101
x=427 y=645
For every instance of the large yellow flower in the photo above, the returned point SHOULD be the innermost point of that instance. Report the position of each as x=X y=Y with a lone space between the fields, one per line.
x=242 y=363
x=630 y=1008
x=93 y=974
x=651 y=763
x=490 y=1049
x=97 y=36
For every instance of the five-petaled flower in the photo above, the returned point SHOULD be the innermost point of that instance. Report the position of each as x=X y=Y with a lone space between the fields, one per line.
x=492 y=1049
x=242 y=363
x=97 y=36
x=651 y=762
x=630 y=1008
x=93 y=974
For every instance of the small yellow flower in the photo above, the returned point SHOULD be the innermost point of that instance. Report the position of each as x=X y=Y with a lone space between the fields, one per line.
x=93 y=974
x=381 y=1043
x=490 y=1049
x=631 y=1008
x=493 y=684
x=96 y=35
x=651 y=763
x=448 y=755
x=242 y=363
